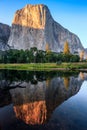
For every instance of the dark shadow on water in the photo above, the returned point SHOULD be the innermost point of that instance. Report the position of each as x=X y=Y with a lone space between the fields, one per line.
x=34 y=97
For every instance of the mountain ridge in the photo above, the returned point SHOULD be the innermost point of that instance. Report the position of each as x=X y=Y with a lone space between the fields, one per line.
x=4 y=36
x=34 y=26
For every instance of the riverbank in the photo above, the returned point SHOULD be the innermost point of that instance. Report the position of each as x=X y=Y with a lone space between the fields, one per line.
x=46 y=66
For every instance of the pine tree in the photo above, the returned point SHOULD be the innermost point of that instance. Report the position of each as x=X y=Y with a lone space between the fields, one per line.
x=66 y=48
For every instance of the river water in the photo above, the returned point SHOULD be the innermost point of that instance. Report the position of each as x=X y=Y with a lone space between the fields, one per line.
x=43 y=100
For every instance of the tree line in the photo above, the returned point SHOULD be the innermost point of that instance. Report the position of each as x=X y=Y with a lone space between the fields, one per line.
x=36 y=56
x=39 y=56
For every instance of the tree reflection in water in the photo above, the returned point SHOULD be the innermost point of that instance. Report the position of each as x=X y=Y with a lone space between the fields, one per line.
x=36 y=103
x=66 y=82
x=41 y=94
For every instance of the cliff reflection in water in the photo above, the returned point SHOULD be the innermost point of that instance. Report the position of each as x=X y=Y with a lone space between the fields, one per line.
x=35 y=95
x=35 y=103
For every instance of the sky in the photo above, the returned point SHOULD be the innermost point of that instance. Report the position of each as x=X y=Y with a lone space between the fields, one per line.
x=71 y=14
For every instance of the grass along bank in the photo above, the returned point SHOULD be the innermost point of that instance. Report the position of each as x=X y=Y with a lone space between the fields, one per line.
x=46 y=66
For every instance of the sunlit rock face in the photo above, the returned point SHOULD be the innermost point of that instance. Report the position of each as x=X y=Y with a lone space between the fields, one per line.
x=35 y=103
x=33 y=26
x=29 y=103
x=31 y=113
x=4 y=36
x=33 y=16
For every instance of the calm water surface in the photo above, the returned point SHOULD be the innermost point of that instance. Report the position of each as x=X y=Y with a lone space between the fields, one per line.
x=43 y=100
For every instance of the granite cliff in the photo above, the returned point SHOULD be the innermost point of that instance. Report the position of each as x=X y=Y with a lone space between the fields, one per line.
x=4 y=36
x=33 y=26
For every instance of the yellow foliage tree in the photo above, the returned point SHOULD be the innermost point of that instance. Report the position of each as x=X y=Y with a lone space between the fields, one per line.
x=66 y=48
x=81 y=55
x=47 y=48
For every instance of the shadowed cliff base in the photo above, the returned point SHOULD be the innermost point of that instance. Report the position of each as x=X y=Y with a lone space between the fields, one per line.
x=24 y=37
